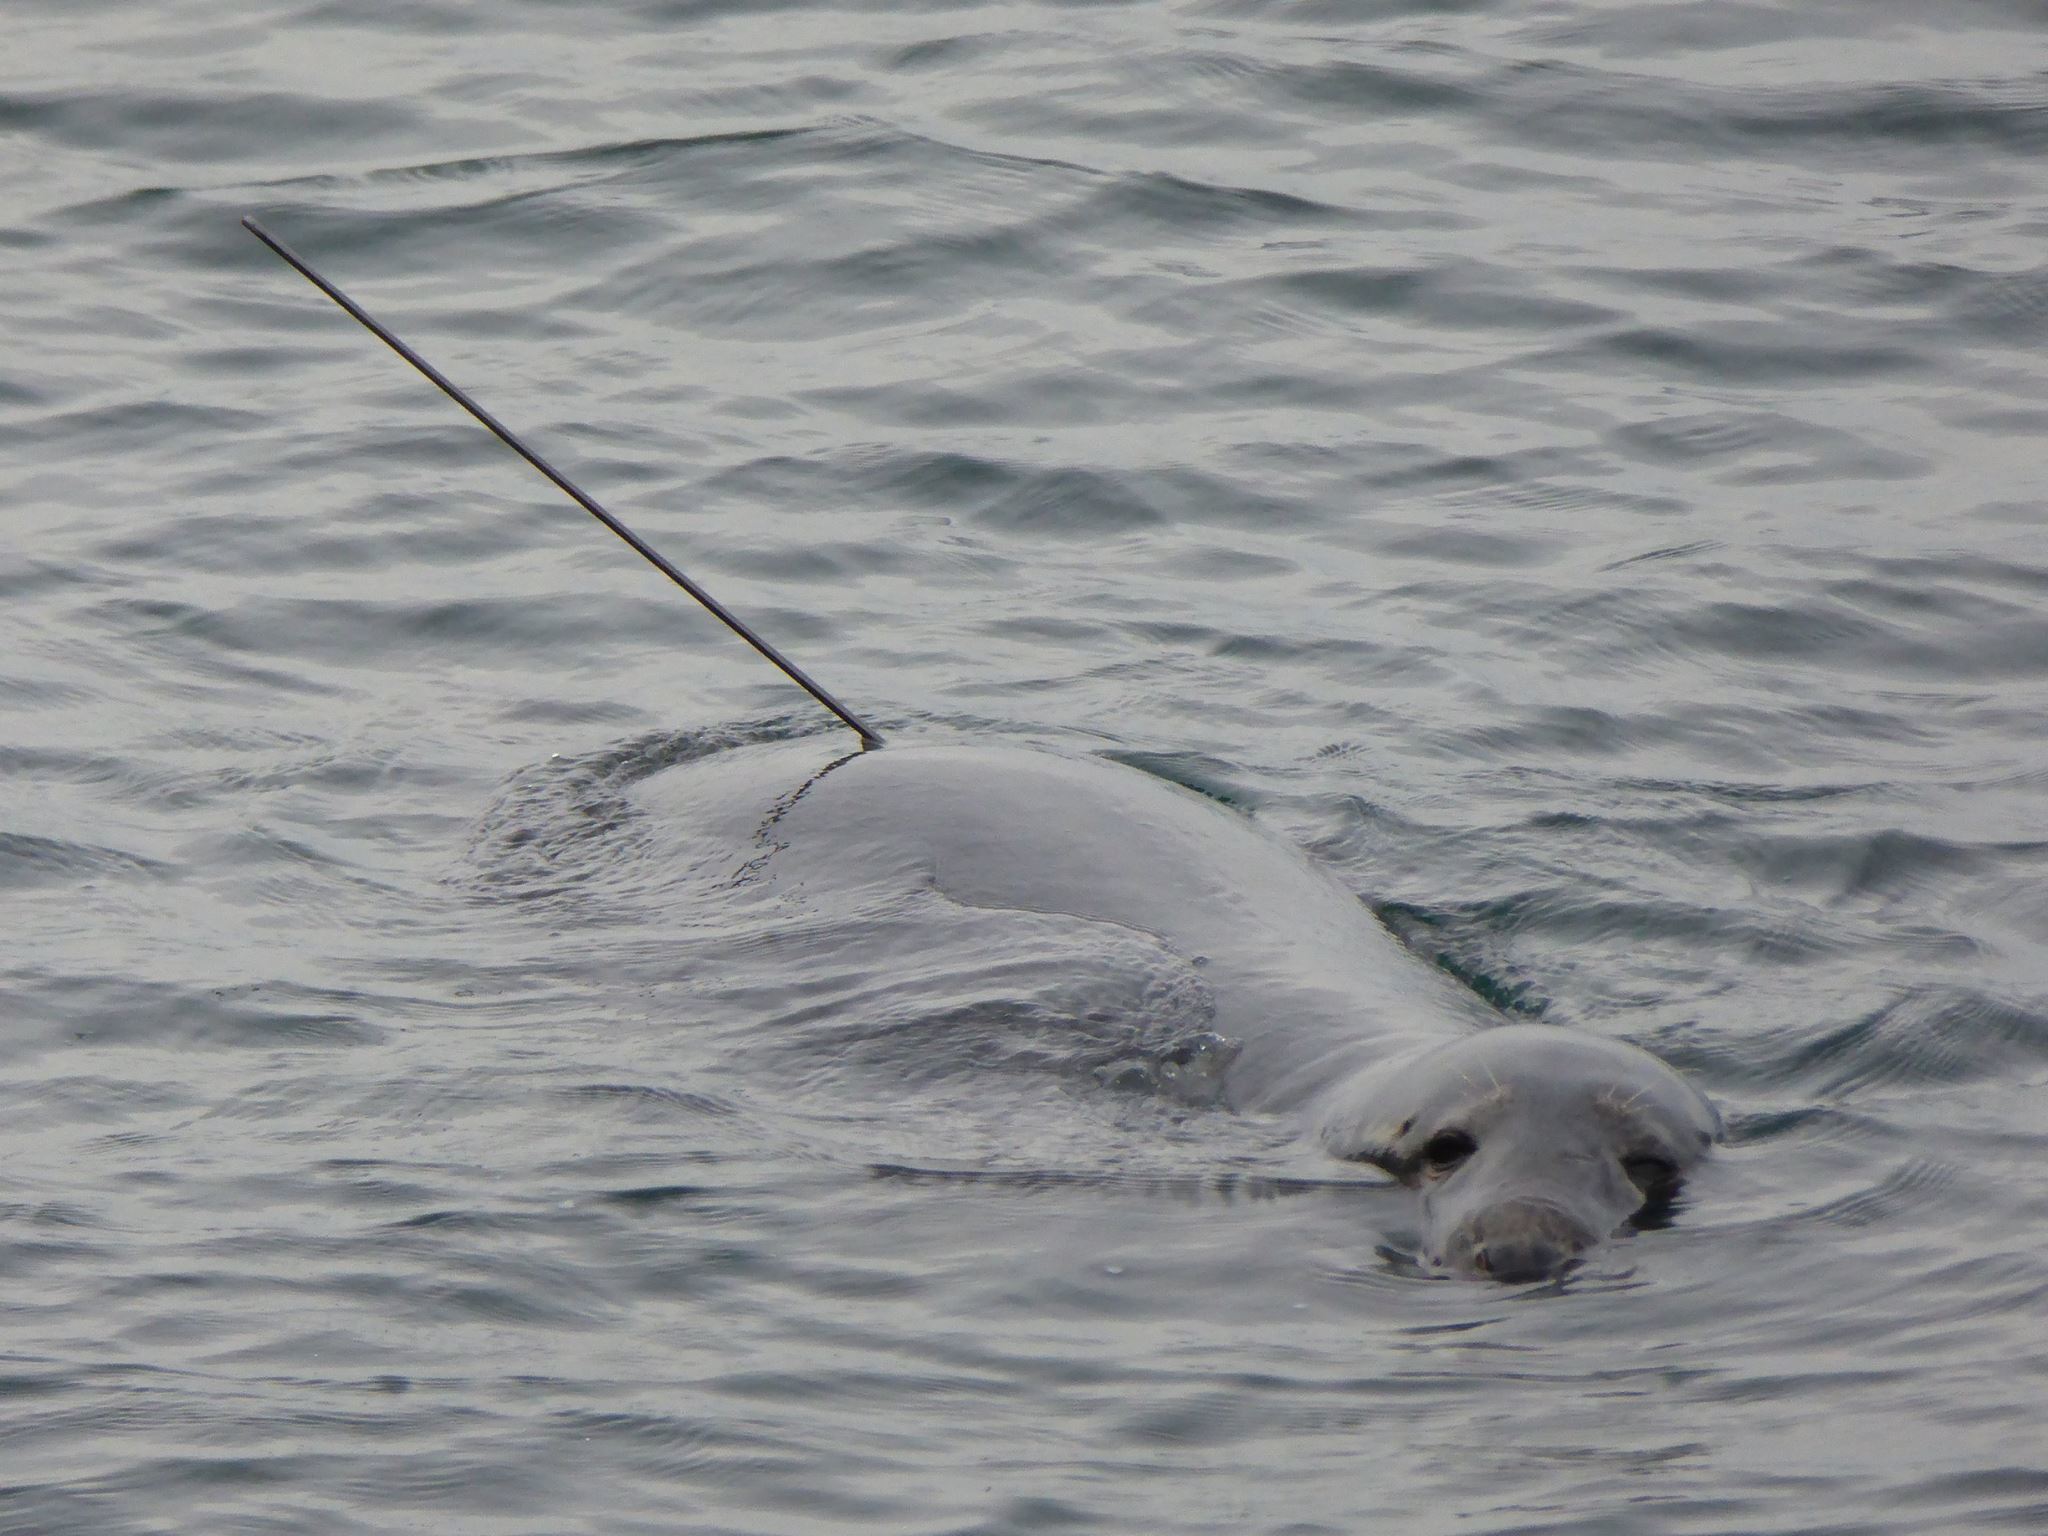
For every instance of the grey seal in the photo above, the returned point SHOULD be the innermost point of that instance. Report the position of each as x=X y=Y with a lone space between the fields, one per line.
x=1528 y=1144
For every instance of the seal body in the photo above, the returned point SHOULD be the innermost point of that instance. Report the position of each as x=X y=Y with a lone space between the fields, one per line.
x=1527 y=1143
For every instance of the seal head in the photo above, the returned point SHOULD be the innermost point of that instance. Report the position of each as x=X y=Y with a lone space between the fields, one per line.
x=1528 y=1144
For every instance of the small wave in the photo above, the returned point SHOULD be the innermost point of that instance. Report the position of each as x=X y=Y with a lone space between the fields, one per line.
x=1935 y=1035
x=27 y=860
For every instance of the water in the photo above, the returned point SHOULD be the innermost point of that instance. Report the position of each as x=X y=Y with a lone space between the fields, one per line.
x=1574 y=466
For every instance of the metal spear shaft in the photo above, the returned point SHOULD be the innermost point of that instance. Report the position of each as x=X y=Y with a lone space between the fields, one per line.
x=869 y=737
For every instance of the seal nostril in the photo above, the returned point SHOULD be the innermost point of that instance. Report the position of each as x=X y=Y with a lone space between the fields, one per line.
x=1532 y=1259
x=1519 y=1240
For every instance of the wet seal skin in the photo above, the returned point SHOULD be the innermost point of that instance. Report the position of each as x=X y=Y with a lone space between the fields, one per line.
x=1528 y=1145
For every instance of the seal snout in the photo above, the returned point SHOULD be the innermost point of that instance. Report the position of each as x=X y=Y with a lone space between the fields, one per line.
x=1517 y=1240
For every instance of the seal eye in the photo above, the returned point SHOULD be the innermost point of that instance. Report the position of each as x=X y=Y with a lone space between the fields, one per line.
x=1651 y=1173
x=1446 y=1149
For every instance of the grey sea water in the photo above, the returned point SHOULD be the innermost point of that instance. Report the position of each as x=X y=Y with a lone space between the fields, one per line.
x=1576 y=467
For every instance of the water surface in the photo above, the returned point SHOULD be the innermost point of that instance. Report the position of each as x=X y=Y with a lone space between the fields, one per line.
x=1574 y=467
